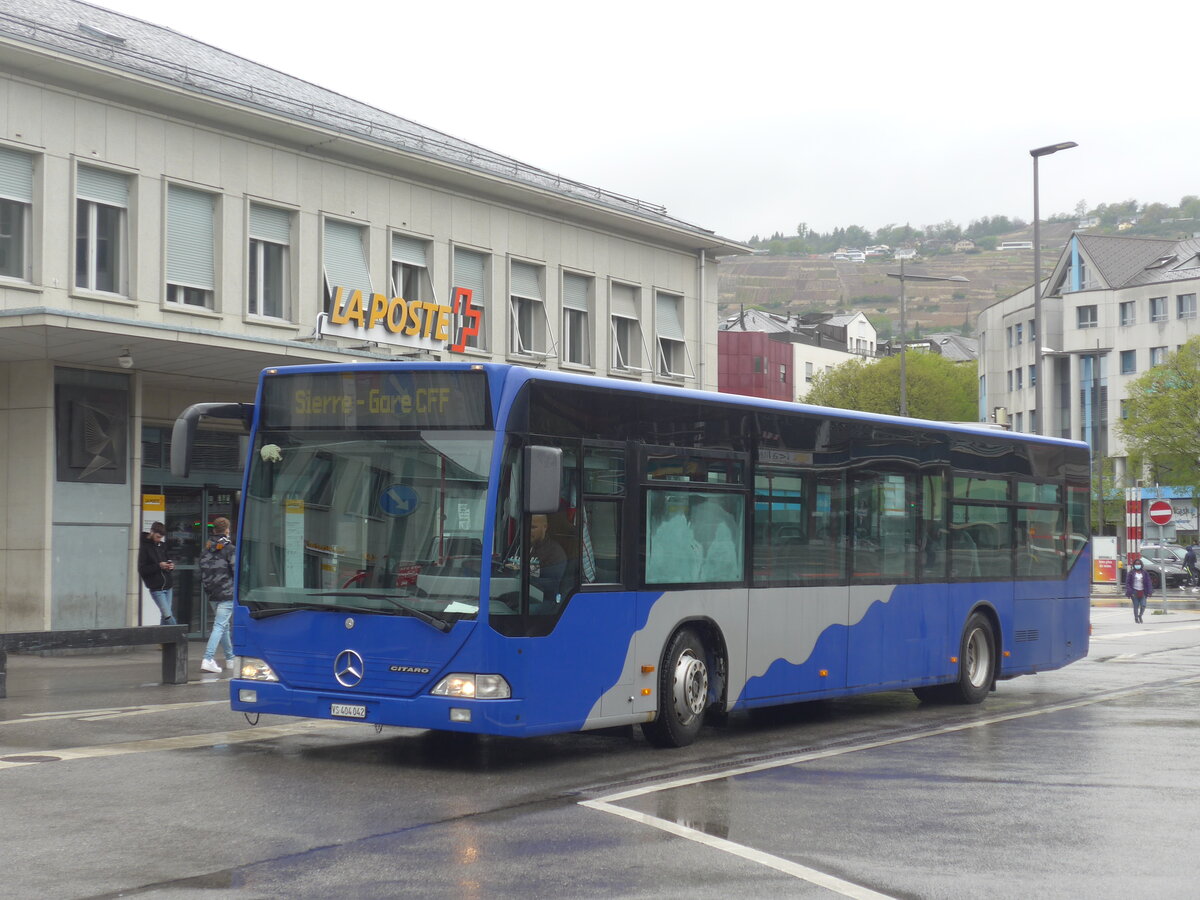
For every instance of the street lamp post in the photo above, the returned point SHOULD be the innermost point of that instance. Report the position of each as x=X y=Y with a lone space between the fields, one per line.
x=904 y=325
x=1037 y=154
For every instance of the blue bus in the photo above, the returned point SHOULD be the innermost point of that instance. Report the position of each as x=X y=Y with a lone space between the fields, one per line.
x=504 y=550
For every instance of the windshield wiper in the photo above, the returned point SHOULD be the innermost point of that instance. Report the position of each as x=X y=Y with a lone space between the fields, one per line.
x=314 y=607
x=440 y=624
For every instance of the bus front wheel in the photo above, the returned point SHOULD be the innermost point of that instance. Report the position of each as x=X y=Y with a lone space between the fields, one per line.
x=682 y=692
x=976 y=666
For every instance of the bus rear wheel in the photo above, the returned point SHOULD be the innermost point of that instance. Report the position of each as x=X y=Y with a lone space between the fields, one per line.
x=682 y=692
x=976 y=666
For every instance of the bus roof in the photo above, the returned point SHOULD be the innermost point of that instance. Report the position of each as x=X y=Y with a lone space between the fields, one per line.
x=512 y=375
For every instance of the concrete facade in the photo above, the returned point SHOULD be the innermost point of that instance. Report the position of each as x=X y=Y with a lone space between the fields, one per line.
x=1112 y=308
x=93 y=102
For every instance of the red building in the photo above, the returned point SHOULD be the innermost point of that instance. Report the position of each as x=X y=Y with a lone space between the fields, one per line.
x=751 y=363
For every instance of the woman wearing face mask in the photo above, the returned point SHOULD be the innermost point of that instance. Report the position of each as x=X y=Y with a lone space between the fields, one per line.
x=1138 y=588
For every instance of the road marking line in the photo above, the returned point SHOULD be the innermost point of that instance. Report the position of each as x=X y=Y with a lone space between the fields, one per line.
x=787 y=867
x=1145 y=632
x=112 y=712
x=182 y=742
x=814 y=876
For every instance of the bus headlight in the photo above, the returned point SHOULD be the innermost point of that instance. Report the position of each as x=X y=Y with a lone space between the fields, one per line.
x=254 y=669
x=474 y=687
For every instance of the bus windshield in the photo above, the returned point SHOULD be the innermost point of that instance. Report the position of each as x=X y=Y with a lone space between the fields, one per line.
x=388 y=523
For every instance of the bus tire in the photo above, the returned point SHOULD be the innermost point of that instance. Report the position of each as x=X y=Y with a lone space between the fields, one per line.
x=976 y=666
x=976 y=661
x=683 y=680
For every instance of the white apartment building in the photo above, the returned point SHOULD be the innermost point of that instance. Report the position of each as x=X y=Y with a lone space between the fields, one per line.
x=1112 y=308
x=174 y=218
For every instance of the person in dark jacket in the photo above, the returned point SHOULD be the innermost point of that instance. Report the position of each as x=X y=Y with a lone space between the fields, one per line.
x=1138 y=588
x=155 y=570
x=216 y=574
x=1189 y=566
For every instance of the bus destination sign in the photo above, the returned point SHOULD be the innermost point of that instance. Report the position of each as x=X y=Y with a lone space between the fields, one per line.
x=376 y=400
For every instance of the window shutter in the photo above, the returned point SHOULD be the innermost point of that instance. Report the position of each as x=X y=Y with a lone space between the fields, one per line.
x=269 y=223
x=101 y=186
x=346 y=258
x=190 y=234
x=624 y=301
x=16 y=175
x=525 y=282
x=575 y=292
x=409 y=251
x=469 y=272
x=666 y=322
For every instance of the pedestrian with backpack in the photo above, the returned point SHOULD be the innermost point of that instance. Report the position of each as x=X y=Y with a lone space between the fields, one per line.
x=216 y=574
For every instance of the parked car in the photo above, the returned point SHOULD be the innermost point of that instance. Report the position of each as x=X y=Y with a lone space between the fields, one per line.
x=1164 y=562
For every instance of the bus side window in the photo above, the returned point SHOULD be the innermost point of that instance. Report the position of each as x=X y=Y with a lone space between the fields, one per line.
x=600 y=545
x=600 y=523
x=694 y=537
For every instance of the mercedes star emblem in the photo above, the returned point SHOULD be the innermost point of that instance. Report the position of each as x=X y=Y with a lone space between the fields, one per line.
x=348 y=668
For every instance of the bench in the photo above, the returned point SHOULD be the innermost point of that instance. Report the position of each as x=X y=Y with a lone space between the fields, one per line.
x=172 y=637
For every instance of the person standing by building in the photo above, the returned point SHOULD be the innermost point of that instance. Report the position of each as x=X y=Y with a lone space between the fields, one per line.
x=155 y=570
x=1189 y=566
x=216 y=574
x=1138 y=588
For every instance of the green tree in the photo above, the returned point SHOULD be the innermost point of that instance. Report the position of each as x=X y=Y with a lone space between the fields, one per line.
x=1161 y=420
x=937 y=388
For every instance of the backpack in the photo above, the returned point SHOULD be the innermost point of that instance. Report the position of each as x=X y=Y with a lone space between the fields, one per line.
x=216 y=569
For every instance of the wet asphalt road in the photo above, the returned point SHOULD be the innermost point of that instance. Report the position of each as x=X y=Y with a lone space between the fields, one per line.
x=1076 y=783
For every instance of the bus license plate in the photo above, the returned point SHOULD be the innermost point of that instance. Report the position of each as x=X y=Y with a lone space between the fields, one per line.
x=347 y=711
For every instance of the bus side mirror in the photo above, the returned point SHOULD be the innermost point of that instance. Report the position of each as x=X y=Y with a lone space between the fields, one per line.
x=543 y=478
x=184 y=432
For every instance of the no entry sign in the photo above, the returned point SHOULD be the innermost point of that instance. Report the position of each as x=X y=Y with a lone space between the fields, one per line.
x=1160 y=512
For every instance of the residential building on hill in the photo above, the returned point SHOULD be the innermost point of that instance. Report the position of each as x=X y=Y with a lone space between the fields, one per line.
x=175 y=218
x=1113 y=307
x=751 y=342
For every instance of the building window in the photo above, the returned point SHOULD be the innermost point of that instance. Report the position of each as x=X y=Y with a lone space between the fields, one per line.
x=1185 y=306
x=782 y=374
x=1017 y=334
x=1010 y=380
x=1128 y=312
x=470 y=271
x=1032 y=330
x=1086 y=317
x=1158 y=356
x=270 y=233
x=1128 y=362
x=101 y=230
x=627 y=343
x=1033 y=375
x=344 y=258
x=527 y=310
x=576 y=312
x=191 y=242
x=410 y=269
x=668 y=324
x=1017 y=373
x=1008 y=336
x=16 y=208
x=1020 y=418
x=1158 y=309
x=808 y=373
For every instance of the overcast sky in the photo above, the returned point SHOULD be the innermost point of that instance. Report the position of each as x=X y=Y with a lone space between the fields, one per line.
x=750 y=118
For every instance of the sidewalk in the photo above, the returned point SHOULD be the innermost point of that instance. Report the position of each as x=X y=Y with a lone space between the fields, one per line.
x=1114 y=595
x=120 y=678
